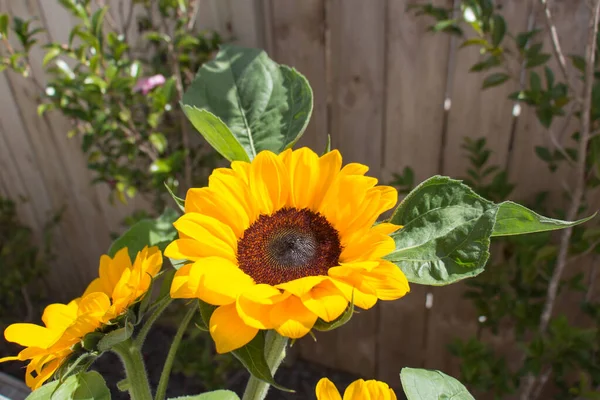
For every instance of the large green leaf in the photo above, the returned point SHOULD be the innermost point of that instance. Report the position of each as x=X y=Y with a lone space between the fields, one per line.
x=266 y=106
x=514 y=219
x=147 y=232
x=216 y=133
x=216 y=395
x=422 y=384
x=446 y=232
x=84 y=386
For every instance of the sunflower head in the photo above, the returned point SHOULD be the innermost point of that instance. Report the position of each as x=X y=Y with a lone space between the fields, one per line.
x=119 y=285
x=125 y=282
x=358 y=390
x=282 y=241
x=65 y=325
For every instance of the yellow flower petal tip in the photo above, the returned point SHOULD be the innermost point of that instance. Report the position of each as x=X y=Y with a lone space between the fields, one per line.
x=358 y=390
x=120 y=284
x=284 y=240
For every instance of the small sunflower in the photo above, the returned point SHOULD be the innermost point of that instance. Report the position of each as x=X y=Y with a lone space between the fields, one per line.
x=47 y=347
x=282 y=241
x=358 y=390
x=119 y=285
x=123 y=281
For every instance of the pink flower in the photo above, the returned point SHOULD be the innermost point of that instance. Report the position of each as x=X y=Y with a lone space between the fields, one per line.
x=145 y=85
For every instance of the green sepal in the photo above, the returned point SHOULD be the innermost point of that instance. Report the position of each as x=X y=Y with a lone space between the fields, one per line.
x=115 y=337
x=215 y=395
x=178 y=200
x=323 y=326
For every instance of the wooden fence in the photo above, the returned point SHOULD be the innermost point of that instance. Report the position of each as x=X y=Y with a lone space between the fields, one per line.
x=390 y=94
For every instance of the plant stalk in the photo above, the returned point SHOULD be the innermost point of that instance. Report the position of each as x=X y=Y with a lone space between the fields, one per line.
x=161 y=390
x=160 y=308
x=275 y=346
x=135 y=370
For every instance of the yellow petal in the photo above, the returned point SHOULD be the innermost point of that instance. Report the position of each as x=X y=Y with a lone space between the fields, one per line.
x=388 y=280
x=325 y=300
x=202 y=242
x=255 y=304
x=110 y=270
x=94 y=304
x=219 y=206
x=303 y=167
x=242 y=170
x=218 y=281
x=364 y=300
x=30 y=335
x=59 y=316
x=379 y=390
x=43 y=375
x=301 y=286
x=228 y=330
x=329 y=167
x=357 y=391
x=226 y=182
x=179 y=287
x=269 y=182
x=291 y=318
x=191 y=249
x=367 y=247
x=385 y=228
x=213 y=226
x=326 y=390
x=95 y=286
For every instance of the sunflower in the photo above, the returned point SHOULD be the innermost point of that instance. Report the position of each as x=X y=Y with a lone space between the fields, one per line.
x=119 y=285
x=282 y=241
x=123 y=281
x=47 y=347
x=358 y=390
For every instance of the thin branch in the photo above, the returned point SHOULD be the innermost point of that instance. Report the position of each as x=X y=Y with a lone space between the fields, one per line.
x=589 y=294
x=579 y=187
x=194 y=9
x=556 y=46
x=543 y=379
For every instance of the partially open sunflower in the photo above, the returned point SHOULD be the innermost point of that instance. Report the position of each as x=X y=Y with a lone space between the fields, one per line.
x=282 y=241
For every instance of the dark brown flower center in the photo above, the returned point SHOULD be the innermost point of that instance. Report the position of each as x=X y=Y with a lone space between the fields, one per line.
x=288 y=245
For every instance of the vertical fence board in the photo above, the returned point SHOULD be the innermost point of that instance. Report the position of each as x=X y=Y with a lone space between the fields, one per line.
x=357 y=61
x=526 y=169
x=416 y=79
x=295 y=35
x=473 y=113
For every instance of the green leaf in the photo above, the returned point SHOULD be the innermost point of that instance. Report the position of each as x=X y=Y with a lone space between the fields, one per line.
x=543 y=153
x=216 y=133
x=446 y=233
x=422 y=384
x=4 y=21
x=252 y=357
x=91 y=386
x=495 y=80
x=115 y=337
x=85 y=386
x=266 y=106
x=578 y=62
x=178 y=200
x=489 y=62
x=537 y=59
x=515 y=219
x=216 y=395
x=147 y=232
x=159 y=141
x=499 y=30
x=50 y=55
x=97 y=21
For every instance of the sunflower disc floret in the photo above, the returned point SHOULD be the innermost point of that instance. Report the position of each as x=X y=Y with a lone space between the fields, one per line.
x=282 y=241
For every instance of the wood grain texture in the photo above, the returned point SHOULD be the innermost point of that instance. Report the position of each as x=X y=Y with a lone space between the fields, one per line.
x=358 y=47
x=529 y=172
x=416 y=65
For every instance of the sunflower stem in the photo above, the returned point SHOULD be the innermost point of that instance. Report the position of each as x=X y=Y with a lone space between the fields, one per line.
x=161 y=390
x=275 y=346
x=160 y=308
x=135 y=370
